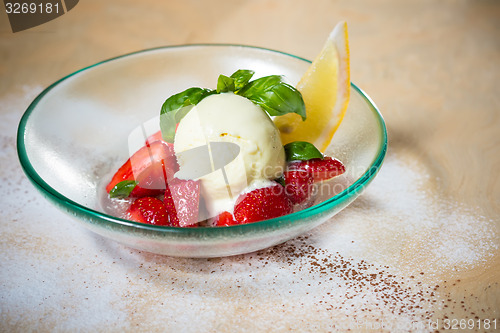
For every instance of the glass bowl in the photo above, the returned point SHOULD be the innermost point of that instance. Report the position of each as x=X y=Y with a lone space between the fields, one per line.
x=73 y=137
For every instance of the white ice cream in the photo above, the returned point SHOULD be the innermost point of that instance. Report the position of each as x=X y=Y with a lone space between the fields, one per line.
x=224 y=170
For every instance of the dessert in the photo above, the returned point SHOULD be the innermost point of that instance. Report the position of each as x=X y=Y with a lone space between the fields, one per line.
x=225 y=164
x=219 y=159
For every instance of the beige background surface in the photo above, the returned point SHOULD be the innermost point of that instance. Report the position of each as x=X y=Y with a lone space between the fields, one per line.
x=421 y=244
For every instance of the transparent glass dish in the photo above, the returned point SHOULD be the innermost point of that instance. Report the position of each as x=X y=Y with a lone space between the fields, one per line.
x=73 y=137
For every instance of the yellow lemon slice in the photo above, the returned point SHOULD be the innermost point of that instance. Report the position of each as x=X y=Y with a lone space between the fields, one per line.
x=325 y=88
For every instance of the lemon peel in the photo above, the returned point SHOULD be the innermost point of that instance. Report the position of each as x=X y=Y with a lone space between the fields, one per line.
x=325 y=88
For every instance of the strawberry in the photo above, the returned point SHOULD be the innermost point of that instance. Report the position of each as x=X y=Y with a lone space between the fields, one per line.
x=182 y=200
x=262 y=204
x=225 y=219
x=158 y=136
x=298 y=185
x=151 y=157
x=321 y=169
x=148 y=210
x=152 y=181
x=154 y=137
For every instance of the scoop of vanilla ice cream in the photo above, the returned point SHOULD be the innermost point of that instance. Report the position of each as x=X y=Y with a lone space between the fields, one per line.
x=253 y=151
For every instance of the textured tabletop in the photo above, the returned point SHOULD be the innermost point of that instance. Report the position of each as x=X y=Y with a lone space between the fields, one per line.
x=418 y=251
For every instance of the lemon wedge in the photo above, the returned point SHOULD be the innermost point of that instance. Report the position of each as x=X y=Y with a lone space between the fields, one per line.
x=325 y=88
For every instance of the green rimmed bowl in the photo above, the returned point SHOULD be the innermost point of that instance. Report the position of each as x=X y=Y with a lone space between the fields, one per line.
x=74 y=135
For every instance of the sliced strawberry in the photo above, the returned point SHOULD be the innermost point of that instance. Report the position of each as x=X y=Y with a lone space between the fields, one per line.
x=262 y=204
x=157 y=152
x=321 y=169
x=154 y=137
x=152 y=181
x=158 y=137
x=148 y=210
x=182 y=200
x=298 y=185
x=225 y=219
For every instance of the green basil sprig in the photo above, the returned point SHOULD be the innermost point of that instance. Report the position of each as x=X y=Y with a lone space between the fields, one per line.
x=301 y=150
x=123 y=189
x=274 y=96
x=270 y=92
x=225 y=84
x=176 y=107
x=241 y=77
x=235 y=82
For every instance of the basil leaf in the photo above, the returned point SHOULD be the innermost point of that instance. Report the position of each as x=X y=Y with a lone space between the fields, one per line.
x=225 y=84
x=191 y=96
x=235 y=82
x=259 y=85
x=122 y=189
x=274 y=96
x=176 y=107
x=241 y=78
x=168 y=124
x=280 y=181
x=301 y=150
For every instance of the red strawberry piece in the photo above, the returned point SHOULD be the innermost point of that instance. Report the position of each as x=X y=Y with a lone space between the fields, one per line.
x=262 y=204
x=152 y=181
x=148 y=210
x=139 y=192
x=154 y=137
x=298 y=185
x=182 y=200
x=158 y=137
x=157 y=152
x=225 y=219
x=321 y=169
